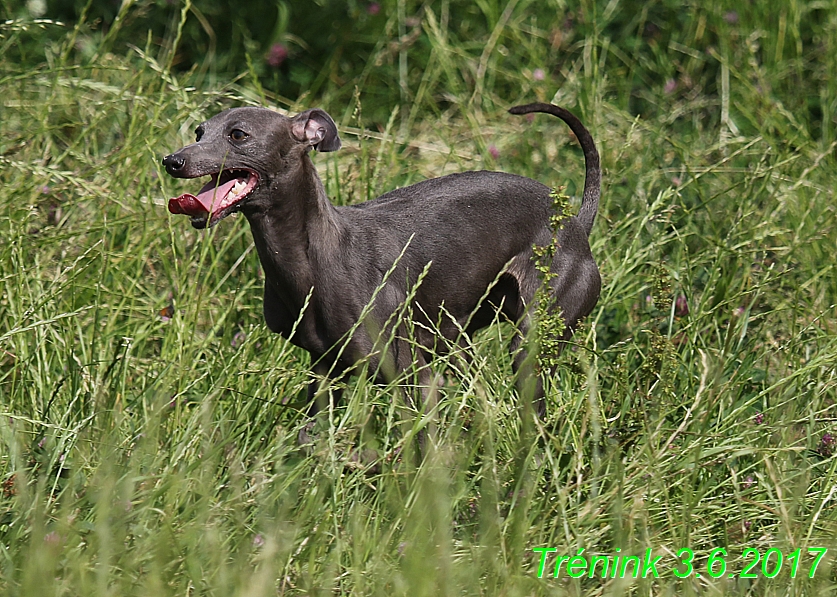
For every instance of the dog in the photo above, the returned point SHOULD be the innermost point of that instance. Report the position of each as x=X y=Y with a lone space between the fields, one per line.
x=470 y=235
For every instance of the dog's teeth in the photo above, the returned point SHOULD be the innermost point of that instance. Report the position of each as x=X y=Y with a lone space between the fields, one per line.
x=238 y=187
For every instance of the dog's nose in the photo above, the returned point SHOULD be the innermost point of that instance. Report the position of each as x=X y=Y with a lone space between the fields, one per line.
x=173 y=163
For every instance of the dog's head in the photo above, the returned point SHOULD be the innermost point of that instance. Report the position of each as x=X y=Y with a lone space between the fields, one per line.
x=241 y=150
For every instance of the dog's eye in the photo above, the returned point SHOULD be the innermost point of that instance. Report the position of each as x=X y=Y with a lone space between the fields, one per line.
x=238 y=135
x=198 y=133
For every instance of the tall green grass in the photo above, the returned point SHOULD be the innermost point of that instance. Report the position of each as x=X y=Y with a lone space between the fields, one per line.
x=149 y=421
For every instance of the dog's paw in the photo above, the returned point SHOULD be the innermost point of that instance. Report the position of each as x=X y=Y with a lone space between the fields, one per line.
x=306 y=438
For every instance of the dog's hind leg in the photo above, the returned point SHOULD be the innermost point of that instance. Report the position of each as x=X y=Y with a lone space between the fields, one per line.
x=528 y=381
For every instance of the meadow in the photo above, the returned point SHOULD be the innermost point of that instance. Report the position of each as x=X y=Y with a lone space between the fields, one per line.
x=149 y=420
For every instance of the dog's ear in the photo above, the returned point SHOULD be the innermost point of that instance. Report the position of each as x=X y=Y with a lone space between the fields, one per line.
x=316 y=128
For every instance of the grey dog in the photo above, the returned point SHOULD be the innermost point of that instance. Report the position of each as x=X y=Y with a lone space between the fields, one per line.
x=476 y=230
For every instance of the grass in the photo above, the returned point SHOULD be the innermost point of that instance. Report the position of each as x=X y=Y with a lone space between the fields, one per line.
x=148 y=437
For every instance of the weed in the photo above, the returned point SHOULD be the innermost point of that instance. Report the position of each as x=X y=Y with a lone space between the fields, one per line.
x=549 y=321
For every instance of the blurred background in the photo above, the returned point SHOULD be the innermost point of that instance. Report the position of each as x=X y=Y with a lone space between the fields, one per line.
x=641 y=53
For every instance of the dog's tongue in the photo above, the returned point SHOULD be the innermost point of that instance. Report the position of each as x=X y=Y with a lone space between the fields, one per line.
x=209 y=197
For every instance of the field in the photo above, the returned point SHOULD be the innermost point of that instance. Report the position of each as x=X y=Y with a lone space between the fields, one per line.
x=149 y=420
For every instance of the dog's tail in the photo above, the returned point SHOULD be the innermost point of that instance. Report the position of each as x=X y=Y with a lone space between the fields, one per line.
x=593 y=179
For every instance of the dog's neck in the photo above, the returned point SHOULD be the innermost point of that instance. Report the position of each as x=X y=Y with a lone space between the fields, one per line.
x=294 y=230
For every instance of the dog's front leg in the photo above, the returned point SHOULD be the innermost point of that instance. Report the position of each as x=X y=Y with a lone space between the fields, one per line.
x=320 y=392
x=320 y=388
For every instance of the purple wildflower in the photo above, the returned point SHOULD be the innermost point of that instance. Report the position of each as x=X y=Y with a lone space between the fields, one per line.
x=681 y=306
x=827 y=444
x=277 y=55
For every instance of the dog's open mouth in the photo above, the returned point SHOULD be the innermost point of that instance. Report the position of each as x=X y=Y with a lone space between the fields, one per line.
x=217 y=199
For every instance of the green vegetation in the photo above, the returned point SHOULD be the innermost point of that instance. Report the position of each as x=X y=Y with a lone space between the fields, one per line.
x=149 y=421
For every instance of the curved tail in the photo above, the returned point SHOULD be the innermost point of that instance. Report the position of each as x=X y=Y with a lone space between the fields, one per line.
x=593 y=178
